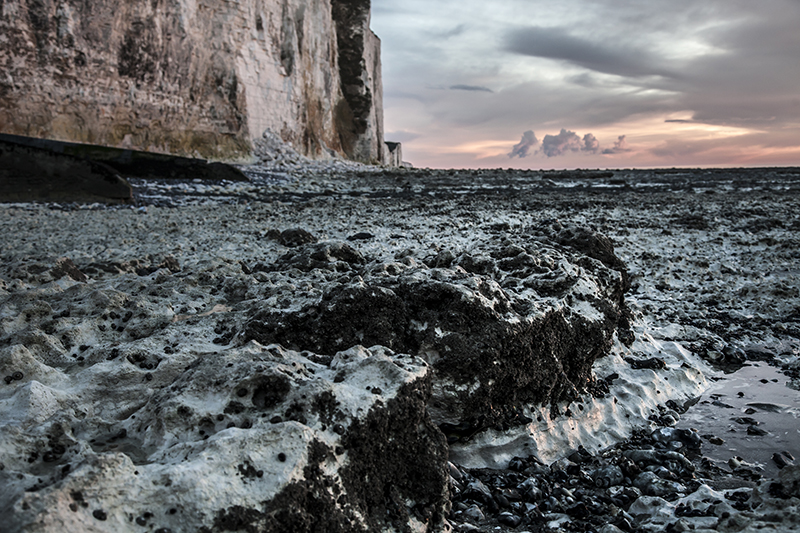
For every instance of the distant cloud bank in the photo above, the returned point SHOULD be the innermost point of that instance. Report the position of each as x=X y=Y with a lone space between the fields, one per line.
x=522 y=149
x=563 y=143
x=555 y=145
x=620 y=146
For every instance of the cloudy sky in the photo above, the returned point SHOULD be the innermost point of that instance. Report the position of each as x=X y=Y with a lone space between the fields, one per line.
x=592 y=84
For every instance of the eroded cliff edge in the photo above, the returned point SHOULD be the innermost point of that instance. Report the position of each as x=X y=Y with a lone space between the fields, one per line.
x=194 y=78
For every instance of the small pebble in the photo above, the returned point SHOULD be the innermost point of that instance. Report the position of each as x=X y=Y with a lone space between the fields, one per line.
x=509 y=519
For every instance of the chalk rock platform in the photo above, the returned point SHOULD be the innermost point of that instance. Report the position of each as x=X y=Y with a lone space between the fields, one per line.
x=277 y=380
x=255 y=438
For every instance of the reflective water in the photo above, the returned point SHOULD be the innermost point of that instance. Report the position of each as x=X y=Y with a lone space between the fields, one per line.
x=756 y=393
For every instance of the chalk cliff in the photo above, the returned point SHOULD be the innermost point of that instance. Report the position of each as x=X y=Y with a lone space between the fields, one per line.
x=194 y=77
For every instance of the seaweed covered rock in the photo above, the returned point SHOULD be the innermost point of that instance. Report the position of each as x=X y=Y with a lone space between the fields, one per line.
x=514 y=325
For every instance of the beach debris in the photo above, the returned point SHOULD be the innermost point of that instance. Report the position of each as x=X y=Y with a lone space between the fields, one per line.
x=782 y=459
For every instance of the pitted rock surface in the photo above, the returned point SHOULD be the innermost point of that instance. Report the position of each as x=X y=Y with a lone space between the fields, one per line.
x=259 y=438
x=170 y=291
x=520 y=324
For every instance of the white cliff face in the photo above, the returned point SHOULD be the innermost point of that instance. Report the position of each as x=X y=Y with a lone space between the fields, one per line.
x=193 y=78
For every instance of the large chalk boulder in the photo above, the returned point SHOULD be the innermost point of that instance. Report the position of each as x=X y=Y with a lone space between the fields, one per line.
x=257 y=437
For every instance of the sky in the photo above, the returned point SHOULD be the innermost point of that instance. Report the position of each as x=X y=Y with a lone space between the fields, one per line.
x=591 y=84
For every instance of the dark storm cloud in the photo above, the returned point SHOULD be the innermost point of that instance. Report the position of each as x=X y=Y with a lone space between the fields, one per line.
x=477 y=88
x=620 y=146
x=564 y=142
x=557 y=43
x=590 y=143
x=522 y=149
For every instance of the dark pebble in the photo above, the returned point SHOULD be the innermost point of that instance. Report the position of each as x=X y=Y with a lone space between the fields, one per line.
x=717 y=403
x=17 y=375
x=100 y=514
x=282 y=457
x=509 y=519
x=502 y=501
x=755 y=431
x=517 y=464
x=579 y=510
x=782 y=460
x=241 y=393
x=361 y=236
x=654 y=363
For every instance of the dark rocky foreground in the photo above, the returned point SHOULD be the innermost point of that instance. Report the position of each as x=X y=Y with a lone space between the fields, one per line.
x=299 y=355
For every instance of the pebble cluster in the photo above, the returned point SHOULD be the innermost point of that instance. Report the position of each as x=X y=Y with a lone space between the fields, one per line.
x=652 y=482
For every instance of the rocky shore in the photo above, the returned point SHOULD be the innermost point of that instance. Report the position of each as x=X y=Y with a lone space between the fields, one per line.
x=345 y=349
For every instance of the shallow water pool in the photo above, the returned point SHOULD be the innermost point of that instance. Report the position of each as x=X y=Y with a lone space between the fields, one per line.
x=756 y=393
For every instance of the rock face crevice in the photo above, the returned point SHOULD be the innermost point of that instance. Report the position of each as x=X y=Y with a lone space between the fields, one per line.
x=194 y=78
x=359 y=74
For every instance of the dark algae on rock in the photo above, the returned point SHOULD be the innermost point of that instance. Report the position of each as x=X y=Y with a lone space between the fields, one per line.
x=497 y=340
